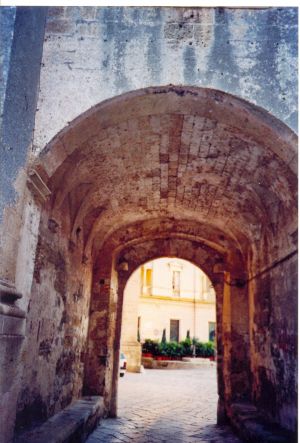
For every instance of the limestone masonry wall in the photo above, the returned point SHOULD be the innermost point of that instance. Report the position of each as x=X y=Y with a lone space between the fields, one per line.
x=56 y=330
x=274 y=341
x=92 y=54
x=132 y=133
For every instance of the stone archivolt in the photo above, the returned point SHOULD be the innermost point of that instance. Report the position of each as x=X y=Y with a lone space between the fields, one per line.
x=200 y=154
x=171 y=171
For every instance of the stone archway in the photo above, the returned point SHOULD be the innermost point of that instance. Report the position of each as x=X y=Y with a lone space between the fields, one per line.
x=232 y=312
x=195 y=173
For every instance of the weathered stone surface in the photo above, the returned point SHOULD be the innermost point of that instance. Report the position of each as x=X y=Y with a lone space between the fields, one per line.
x=11 y=340
x=11 y=325
x=57 y=319
x=247 y=212
x=143 y=218
x=74 y=423
x=12 y=331
x=23 y=32
x=182 y=171
x=251 y=53
x=7 y=19
x=8 y=294
x=253 y=427
x=274 y=353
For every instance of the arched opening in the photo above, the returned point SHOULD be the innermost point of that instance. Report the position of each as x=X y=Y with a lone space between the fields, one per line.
x=168 y=323
x=229 y=316
x=169 y=312
x=167 y=297
x=178 y=172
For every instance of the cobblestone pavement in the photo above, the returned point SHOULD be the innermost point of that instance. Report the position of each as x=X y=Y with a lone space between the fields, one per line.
x=173 y=406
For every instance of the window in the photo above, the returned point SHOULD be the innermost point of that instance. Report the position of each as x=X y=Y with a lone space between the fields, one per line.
x=148 y=282
x=176 y=283
x=211 y=331
x=174 y=330
x=148 y=277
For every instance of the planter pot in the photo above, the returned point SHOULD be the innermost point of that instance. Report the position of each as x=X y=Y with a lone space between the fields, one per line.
x=162 y=357
x=147 y=354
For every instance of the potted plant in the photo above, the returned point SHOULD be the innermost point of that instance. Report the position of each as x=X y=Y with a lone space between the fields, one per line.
x=163 y=347
x=205 y=350
x=149 y=348
x=186 y=346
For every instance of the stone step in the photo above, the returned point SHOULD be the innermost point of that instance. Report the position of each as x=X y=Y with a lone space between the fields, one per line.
x=253 y=427
x=73 y=424
x=150 y=363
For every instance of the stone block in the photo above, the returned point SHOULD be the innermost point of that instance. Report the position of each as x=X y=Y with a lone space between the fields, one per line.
x=88 y=12
x=56 y=12
x=12 y=325
x=254 y=427
x=88 y=29
x=60 y=27
x=74 y=423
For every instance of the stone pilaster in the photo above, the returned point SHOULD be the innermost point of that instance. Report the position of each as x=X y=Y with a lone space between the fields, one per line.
x=12 y=330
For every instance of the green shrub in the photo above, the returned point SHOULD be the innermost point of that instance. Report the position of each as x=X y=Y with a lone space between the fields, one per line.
x=174 y=349
x=150 y=347
x=170 y=349
x=210 y=348
x=205 y=349
x=186 y=346
x=163 y=349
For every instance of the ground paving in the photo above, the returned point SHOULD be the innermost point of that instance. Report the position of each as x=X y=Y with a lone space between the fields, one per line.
x=170 y=406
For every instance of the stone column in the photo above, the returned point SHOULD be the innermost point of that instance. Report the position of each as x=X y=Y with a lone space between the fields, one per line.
x=221 y=413
x=116 y=328
x=103 y=349
x=96 y=360
x=19 y=95
x=17 y=124
x=240 y=343
x=234 y=371
x=129 y=344
x=12 y=330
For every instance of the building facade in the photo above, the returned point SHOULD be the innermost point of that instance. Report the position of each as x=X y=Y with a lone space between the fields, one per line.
x=176 y=296
x=170 y=294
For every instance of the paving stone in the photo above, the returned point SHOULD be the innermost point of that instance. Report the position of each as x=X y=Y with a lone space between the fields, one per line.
x=174 y=407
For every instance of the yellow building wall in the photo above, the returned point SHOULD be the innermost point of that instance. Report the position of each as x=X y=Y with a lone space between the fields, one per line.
x=129 y=343
x=156 y=313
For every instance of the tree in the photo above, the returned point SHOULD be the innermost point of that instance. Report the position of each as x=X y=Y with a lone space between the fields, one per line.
x=164 y=338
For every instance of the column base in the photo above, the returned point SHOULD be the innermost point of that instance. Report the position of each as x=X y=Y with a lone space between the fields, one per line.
x=222 y=417
x=133 y=354
x=12 y=333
